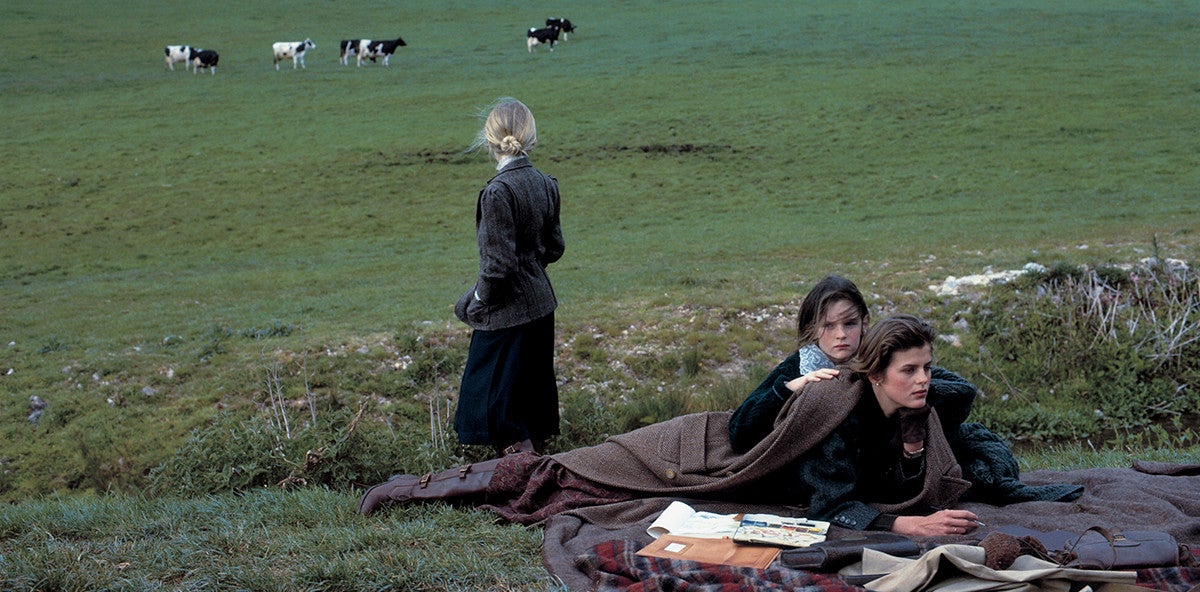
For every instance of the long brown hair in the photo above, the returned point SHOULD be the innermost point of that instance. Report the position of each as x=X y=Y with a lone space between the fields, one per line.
x=831 y=288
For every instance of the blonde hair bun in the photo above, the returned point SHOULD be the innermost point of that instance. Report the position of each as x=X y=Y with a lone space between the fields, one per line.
x=510 y=145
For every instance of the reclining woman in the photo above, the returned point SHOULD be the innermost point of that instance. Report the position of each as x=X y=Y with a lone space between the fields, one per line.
x=832 y=320
x=846 y=449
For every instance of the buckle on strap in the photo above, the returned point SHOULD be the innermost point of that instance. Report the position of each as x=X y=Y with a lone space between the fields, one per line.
x=424 y=480
x=463 y=470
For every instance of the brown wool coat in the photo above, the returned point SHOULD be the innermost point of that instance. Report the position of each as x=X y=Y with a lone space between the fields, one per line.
x=690 y=456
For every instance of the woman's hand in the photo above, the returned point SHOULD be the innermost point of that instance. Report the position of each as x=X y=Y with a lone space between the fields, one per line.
x=817 y=375
x=937 y=524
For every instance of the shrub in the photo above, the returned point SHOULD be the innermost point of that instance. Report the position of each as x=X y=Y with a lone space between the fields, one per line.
x=1109 y=348
x=239 y=453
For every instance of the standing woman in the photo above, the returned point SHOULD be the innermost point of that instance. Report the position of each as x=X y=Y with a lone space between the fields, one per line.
x=509 y=395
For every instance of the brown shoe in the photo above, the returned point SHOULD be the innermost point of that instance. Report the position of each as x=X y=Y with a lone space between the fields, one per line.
x=465 y=484
x=398 y=488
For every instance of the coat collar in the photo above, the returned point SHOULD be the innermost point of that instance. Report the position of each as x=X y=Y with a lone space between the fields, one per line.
x=517 y=163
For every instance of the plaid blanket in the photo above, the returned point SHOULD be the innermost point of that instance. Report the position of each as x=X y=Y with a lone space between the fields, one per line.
x=585 y=556
x=614 y=566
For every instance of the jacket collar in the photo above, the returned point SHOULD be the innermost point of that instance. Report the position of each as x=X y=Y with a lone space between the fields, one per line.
x=517 y=163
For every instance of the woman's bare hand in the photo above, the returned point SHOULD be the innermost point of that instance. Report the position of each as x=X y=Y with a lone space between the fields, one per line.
x=939 y=523
x=817 y=375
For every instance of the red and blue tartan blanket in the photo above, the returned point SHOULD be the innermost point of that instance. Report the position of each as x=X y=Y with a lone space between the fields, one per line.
x=594 y=548
x=614 y=566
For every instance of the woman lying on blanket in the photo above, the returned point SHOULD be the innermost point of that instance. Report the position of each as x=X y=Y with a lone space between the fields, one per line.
x=832 y=320
x=860 y=449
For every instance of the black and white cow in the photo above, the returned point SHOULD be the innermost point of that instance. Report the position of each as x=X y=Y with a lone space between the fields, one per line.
x=292 y=49
x=347 y=48
x=536 y=37
x=563 y=24
x=180 y=53
x=205 y=58
x=371 y=50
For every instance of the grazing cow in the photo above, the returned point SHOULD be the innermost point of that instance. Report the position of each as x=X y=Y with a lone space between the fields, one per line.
x=180 y=53
x=205 y=58
x=294 y=50
x=348 y=48
x=563 y=24
x=368 y=49
x=535 y=37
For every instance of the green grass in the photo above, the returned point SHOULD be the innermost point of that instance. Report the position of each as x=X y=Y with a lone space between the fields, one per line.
x=154 y=203
x=309 y=540
x=167 y=238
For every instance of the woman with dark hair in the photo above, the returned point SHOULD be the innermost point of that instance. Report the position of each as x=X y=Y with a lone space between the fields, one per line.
x=847 y=449
x=833 y=317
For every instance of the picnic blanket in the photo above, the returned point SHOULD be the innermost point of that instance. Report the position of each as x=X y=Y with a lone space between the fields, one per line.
x=585 y=556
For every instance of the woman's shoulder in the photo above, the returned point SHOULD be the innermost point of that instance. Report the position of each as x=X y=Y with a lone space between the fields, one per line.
x=845 y=385
x=841 y=392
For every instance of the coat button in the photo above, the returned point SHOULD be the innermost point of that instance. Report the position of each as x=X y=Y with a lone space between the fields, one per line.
x=671 y=473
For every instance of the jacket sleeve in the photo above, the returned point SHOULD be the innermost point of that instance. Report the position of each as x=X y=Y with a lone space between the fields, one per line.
x=553 y=245
x=755 y=417
x=496 y=234
x=952 y=396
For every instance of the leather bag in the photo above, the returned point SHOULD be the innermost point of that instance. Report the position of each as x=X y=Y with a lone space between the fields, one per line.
x=1099 y=548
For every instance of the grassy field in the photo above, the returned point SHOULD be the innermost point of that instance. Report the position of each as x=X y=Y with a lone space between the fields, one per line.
x=167 y=238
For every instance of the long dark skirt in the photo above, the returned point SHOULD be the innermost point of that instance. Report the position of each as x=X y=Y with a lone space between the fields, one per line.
x=508 y=390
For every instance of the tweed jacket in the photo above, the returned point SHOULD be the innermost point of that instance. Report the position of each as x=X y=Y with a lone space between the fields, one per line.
x=518 y=231
x=691 y=456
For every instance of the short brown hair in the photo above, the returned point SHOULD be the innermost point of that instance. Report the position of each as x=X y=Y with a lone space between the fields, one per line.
x=885 y=338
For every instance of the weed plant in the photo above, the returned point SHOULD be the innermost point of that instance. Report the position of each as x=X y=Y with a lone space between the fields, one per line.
x=1106 y=353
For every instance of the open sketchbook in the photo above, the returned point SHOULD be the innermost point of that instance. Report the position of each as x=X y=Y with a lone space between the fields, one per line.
x=681 y=519
x=751 y=540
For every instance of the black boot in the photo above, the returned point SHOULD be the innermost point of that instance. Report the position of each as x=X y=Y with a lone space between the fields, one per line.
x=463 y=485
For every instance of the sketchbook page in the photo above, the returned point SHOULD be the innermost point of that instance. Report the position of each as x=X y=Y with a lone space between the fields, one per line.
x=673 y=517
x=681 y=519
x=779 y=530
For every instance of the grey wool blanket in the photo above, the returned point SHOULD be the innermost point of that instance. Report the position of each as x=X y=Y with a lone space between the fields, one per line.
x=1147 y=496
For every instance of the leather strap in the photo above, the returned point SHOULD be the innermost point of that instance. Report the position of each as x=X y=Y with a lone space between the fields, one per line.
x=1108 y=536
